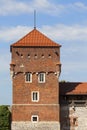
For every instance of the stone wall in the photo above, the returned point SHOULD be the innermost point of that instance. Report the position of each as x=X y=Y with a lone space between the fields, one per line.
x=35 y=126
x=73 y=118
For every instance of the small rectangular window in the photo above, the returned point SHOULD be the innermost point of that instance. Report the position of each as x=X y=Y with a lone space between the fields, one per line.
x=35 y=96
x=34 y=118
x=28 y=77
x=41 y=78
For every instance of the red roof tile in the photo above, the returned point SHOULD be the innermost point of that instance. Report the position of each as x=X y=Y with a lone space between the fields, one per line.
x=71 y=88
x=35 y=38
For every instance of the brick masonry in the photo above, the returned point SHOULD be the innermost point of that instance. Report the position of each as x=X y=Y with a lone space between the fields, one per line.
x=35 y=60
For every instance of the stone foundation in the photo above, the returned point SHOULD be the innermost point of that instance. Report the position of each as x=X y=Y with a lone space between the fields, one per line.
x=35 y=126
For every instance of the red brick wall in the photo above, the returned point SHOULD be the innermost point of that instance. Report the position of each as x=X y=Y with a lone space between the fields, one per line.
x=45 y=113
x=48 y=91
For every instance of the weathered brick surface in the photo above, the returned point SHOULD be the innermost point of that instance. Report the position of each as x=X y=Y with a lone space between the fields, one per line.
x=35 y=60
x=48 y=92
x=45 y=113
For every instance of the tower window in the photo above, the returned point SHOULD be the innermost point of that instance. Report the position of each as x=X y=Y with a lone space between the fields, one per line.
x=21 y=55
x=49 y=56
x=41 y=78
x=28 y=77
x=42 y=55
x=35 y=96
x=28 y=55
x=35 y=56
x=34 y=118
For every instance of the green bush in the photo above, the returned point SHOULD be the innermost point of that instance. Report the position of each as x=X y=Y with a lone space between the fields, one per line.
x=5 y=117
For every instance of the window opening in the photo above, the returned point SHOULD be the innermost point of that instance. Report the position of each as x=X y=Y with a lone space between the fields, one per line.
x=41 y=77
x=28 y=77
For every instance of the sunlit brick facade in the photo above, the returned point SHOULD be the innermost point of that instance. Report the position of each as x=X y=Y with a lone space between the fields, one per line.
x=35 y=68
x=40 y=102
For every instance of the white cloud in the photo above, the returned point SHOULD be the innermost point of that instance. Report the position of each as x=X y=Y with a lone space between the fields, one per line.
x=13 y=33
x=66 y=32
x=56 y=32
x=8 y=7
x=17 y=7
x=80 y=6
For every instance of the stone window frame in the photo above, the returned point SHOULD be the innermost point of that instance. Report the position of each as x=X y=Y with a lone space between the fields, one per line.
x=35 y=96
x=28 y=77
x=34 y=120
x=41 y=77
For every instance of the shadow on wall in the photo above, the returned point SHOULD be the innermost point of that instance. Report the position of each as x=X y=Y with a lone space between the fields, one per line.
x=68 y=116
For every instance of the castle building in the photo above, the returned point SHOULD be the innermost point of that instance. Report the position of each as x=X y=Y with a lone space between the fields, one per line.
x=40 y=102
x=73 y=105
x=35 y=68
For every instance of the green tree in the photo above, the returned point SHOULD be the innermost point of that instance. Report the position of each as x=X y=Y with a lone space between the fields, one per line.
x=5 y=117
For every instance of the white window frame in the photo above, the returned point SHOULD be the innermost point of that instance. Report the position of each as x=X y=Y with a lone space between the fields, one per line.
x=41 y=77
x=28 y=74
x=35 y=98
x=36 y=116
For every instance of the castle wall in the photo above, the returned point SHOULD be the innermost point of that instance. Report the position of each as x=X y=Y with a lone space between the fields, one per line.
x=73 y=118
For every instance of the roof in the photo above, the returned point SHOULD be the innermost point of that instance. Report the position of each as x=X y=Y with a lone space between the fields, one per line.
x=73 y=88
x=35 y=38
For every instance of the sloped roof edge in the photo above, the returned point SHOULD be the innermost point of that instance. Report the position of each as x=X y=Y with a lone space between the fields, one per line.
x=35 y=38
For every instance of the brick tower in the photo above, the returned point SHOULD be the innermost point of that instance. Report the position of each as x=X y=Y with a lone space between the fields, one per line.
x=35 y=68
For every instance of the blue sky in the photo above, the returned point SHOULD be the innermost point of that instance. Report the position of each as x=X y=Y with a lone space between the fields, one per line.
x=64 y=21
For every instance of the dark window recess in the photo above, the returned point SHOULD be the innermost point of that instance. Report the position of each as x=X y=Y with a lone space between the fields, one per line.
x=21 y=55
x=28 y=55
x=34 y=118
x=35 y=56
x=56 y=53
x=35 y=96
x=17 y=53
x=42 y=55
x=49 y=56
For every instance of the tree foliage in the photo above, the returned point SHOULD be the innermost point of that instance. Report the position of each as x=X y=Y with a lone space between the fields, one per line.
x=4 y=118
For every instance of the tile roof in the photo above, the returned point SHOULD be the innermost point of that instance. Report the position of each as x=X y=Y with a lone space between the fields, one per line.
x=71 y=88
x=35 y=38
